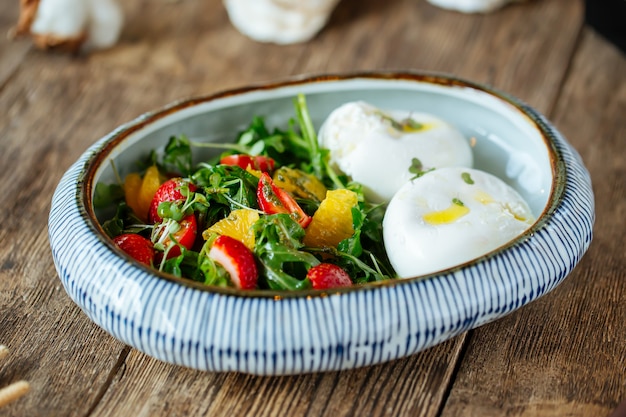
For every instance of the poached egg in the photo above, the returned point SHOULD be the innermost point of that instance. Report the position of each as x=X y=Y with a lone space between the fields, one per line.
x=377 y=148
x=451 y=216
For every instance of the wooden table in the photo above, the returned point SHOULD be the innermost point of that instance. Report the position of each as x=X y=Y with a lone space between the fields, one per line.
x=563 y=355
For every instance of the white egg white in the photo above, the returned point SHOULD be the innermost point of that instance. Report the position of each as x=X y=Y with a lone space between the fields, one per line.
x=364 y=144
x=451 y=216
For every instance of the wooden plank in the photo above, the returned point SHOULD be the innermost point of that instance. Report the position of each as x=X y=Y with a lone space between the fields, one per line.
x=565 y=354
x=390 y=389
x=55 y=106
x=11 y=53
x=514 y=49
x=54 y=346
x=506 y=49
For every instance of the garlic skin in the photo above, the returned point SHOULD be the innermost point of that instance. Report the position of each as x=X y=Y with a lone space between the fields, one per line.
x=279 y=21
x=61 y=18
x=71 y=25
x=59 y=24
x=471 y=6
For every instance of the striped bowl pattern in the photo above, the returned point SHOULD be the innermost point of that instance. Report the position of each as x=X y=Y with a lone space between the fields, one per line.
x=273 y=335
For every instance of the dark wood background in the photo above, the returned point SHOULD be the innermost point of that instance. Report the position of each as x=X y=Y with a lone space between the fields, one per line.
x=563 y=355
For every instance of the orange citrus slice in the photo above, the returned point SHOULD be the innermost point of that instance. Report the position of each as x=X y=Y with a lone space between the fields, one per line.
x=332 y=222
x=237 y=225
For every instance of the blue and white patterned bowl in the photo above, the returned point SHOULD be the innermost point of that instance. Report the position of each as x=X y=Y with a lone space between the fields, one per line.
x=269 y=333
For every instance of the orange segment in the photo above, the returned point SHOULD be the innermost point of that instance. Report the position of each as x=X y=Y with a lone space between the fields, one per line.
x=132 y=185
x=139 y=191
x=332 y=222
x=149 y=186
x=237 y=225
x=299 y=183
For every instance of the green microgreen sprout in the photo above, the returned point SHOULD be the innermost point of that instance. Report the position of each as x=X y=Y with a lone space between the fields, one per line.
x=406 y=125
x=417 y=168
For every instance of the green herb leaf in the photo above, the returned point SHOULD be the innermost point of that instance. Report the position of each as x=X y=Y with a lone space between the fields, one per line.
x=318 y=157
x=209 y=271
x=224 y=188
x=418 y=169
x=365 y=265
x=467 y=178
x=278 y=240
x=407 y=125
x=106 y=195
x=177 y=156
x=411 y=125
x=352 y=245
x=124 y=221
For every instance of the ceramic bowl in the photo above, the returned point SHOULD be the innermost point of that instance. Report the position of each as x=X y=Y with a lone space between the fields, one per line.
x=270 y=333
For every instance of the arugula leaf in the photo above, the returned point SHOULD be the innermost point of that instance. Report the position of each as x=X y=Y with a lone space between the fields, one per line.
x=206 y=270
x=225 y=188
x=318 y=157
x=365 y=265
x=352 y=245
x=124 y=221
x=197 y=267
x=278 y=240
x=107 y=194
x=175 y=265
x=213 y=273
x=309 y=136
x=284 y=146
x=177 y=156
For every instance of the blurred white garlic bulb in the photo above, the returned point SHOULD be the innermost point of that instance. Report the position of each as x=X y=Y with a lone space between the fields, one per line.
x=471 y=6
x=105 y=24
x=279 y=21
x=71 y=24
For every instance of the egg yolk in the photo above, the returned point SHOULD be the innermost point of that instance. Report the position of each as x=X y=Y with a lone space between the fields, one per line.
x=449 y=215
x=483 y=198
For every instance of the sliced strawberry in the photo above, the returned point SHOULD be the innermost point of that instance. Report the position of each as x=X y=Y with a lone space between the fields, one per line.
x=185 y=236
x=168 y=191
x=275 y=200
x=137 y=246
x=260 y=163
x=237 y=260
x=327 y=275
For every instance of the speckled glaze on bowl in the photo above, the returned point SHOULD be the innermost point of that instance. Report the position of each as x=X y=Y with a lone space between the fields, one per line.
x=269 y=333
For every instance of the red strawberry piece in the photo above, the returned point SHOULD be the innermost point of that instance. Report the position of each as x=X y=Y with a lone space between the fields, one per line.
x=237 y=260
x=137 y=246
x=327 y=275
x=168 y=191
x=274 y=200
x=259 y=162
x=185 y=236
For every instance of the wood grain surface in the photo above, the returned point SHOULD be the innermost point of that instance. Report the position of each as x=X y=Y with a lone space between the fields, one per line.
x=562 y=355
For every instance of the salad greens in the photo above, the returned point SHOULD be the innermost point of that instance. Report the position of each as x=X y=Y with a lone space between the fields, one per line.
x=218 y=189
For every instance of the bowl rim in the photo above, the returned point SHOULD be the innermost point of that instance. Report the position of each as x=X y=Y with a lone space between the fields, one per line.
x=117 y=136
